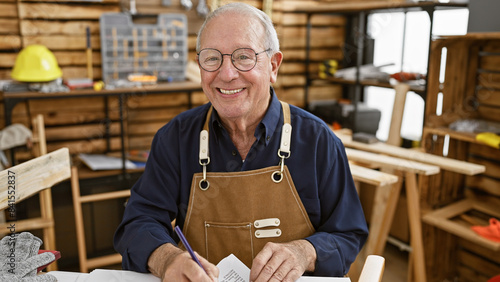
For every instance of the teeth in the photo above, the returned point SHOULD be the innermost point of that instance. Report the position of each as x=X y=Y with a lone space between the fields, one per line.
x=229 y=92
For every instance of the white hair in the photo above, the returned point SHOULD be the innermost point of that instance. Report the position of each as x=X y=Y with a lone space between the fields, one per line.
x=271 y=37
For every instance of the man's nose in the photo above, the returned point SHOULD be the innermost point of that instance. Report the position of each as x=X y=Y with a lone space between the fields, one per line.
x=227 y=69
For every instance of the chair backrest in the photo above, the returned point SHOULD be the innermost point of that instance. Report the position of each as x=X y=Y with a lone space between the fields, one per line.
x=33 y=176
x=373 y=269
x=24 y=180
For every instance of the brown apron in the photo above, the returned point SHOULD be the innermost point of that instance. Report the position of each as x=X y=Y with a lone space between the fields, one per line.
x=239 y=212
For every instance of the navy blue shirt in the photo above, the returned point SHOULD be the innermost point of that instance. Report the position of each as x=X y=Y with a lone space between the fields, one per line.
x=317 y=163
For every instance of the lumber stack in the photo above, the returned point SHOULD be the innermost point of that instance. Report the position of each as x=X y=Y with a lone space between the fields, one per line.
x=326 y=43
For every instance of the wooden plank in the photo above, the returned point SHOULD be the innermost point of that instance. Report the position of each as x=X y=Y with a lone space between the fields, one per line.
x=433 y=82
x=35 y=175
x=414 y=155
x=480 y=265
x=10 y=42
x=492 y=166
x=157 y=100
x=414 y=217
x=75 y=1
x=394 y=137
x=72 y=28
x=7 y=60
x=198 y=98
x=455 y=78
x=489 y=113
x=484 y=183
x=63 y=42
x=489 y=254
x=80 y=71
x=292 y=19
x=86 y=146
x=489 y=97
x=489 y=80
x=295 y=37
x=154 y=114
x=72 y=58
x=74 y=105
x=58 y=11
x=490 y=62
x=76 y=131
x=467 y=274
x=149 y=128
x=371 y=176
x=61 y=118
x=291 y=80
x=391 y=162
x=140 y=142
x=315 y=54
x=485 y=152
x=9 y=26
x=441 y=218
x=8 y=10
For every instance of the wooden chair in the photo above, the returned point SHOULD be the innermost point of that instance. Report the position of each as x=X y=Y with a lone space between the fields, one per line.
x=24 y=180
x=79 y=200
x=373 y=269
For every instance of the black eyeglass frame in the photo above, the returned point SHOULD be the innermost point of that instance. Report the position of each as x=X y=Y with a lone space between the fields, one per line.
x=232 y=60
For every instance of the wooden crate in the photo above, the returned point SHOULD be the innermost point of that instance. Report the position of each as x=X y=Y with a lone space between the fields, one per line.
x=470 y=89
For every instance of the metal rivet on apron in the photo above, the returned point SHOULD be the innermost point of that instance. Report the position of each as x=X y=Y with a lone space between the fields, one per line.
x=257 y=233
x=278 y=232
x=256 y=224
x=277 y=221
x=277 y=176
x=204 y=184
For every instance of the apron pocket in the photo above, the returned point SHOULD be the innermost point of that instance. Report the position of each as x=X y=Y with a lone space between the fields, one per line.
x=223 y=239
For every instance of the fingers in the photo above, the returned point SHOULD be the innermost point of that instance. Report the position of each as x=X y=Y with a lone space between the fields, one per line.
x=184 y=268
x=211 y=269
x=278 y=262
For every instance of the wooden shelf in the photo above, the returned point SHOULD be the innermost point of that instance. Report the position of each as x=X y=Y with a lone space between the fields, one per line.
x=356 y=7
x=443 y=131
x=414 y=88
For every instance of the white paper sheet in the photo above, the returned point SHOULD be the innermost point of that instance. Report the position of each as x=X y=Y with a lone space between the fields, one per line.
x=231 y=269
x=105 y=275
x=103 y=162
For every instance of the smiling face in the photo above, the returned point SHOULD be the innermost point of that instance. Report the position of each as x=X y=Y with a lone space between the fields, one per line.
x=233 y=93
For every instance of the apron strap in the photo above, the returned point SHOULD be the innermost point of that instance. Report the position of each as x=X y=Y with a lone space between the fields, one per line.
x=286 y=133
x=283 y=152
x=204 y=159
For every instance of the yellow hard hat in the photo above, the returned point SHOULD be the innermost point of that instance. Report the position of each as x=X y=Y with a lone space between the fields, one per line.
x=36 y=63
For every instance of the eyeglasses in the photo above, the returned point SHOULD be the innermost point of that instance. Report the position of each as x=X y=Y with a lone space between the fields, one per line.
x=243 y=59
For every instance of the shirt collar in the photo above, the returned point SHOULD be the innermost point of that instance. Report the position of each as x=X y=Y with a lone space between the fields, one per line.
x=266 y=127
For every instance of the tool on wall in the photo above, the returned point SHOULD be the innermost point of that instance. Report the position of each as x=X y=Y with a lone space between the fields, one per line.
x=187 y=4
x=202 y=8
x=90 y=74
x=115 y=52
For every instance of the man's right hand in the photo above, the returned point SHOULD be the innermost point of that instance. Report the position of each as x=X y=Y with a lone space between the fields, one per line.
x=173 y=264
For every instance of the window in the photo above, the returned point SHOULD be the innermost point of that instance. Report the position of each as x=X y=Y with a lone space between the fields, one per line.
x=388 y=31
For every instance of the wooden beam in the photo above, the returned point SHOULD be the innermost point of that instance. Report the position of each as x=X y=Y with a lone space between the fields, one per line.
x=413 y=155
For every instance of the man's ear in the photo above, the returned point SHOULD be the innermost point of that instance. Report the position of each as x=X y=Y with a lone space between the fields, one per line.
x=276 y=60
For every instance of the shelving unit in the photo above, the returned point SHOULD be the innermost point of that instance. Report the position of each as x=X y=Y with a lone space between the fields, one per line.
x=360 y=10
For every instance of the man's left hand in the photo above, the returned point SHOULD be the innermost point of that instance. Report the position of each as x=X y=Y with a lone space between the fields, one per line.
x=283 y=262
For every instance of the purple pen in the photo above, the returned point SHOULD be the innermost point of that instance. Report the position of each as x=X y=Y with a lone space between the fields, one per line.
x=188 y=247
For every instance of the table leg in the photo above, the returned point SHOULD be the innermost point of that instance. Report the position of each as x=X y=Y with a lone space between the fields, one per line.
x=416 y=241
